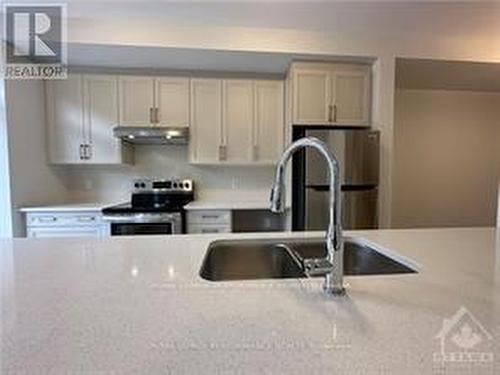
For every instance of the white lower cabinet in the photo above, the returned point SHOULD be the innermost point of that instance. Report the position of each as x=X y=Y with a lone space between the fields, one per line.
x=209 y=221
x=65 y=224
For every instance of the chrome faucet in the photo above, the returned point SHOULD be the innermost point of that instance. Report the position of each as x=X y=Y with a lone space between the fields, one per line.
x=332 y=267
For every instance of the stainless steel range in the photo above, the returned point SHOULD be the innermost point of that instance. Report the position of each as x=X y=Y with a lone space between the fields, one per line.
x=156 y=207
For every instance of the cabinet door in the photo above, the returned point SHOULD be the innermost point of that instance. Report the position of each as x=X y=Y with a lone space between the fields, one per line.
x=237 y=120
x=172 y=101
x=65 y=119
x=206 y=121
x=101 y=115
x=311 y=97
x=351 y=97
x=269 y=125
x=136 y=100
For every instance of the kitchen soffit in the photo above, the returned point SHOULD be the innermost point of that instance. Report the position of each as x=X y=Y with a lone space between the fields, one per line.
x=161 y=58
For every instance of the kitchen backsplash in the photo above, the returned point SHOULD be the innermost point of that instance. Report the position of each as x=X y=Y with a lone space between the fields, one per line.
x=112 y=183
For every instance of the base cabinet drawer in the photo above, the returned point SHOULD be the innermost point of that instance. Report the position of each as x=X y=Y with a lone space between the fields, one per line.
x=54 y=232
x=56 y=219
x=209 y=217
x=198 y=229
x=66 y=224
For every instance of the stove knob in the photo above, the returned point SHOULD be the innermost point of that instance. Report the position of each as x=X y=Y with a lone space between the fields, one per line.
x=186 y=185
x=175 y=185
x=137 y=185
x=143 y=185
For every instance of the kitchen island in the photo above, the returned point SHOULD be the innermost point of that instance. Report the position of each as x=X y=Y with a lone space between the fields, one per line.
x=138 y=305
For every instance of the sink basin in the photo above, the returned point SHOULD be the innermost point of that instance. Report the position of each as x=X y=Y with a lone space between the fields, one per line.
x=269 y=259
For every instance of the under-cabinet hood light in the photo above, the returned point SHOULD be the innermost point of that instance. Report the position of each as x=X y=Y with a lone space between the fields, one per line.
x=152 y=134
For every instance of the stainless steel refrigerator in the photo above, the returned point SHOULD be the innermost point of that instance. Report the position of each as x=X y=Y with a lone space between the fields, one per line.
x=357 y=151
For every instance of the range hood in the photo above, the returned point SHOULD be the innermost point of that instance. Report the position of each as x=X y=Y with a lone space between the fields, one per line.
x=164 y=135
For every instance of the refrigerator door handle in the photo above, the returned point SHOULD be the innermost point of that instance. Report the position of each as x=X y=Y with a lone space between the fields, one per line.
x=360 y=187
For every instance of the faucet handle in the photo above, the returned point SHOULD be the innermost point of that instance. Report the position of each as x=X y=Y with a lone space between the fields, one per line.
x=317 y=266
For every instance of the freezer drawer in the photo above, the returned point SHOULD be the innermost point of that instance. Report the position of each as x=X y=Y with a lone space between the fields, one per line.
x=359 y=209
x=357 y=152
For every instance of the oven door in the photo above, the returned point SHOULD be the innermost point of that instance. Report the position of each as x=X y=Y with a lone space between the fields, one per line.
x=145 y=224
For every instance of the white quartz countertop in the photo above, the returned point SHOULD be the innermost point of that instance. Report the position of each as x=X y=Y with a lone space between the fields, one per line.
x=195 y=205
x=69 y=207
x=137 y=305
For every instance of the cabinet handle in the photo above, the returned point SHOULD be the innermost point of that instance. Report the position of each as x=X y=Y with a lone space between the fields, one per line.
x=89 y=152
x=329 y=113
x=86 y=218
x=335 y=113
x=157 y=115
x=152 y=115
x=209 y=216
x=255 y=152
x=205 y=230
x=47 y=219
x=222 y=153
x=81 y=152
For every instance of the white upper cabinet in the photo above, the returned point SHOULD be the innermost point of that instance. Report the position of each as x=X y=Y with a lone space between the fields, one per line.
x=351 y=97
x=100 y=117
x=64 y=101
x=237 y=120
x=231 y=121
x=311 y=96
x=136 y=100
x=172 y=101
x=330 y=94
x=81 y=113
x=206 y=121
x=146 y=101
x=268 y=137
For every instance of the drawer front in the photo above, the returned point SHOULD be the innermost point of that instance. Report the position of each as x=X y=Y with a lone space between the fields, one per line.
x=209 y=217
x=53 y=219
x=56 y=232
x=207 y=229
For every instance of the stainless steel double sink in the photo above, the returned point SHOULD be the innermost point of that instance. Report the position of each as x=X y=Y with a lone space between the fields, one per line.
x=269 y=259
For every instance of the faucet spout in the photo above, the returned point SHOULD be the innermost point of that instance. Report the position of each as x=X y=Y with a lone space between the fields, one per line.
x=333 y=275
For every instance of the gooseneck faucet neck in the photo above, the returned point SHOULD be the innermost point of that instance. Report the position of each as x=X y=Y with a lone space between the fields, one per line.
x=334 y=278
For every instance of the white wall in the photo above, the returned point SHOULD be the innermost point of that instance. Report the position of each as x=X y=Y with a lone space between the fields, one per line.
x=447 y=159
x=32 y=181
x=5 y=207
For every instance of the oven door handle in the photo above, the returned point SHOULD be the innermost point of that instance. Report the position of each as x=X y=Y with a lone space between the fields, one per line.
x=141 y=218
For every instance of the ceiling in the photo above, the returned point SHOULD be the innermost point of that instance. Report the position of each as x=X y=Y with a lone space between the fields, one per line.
x=447 y=75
